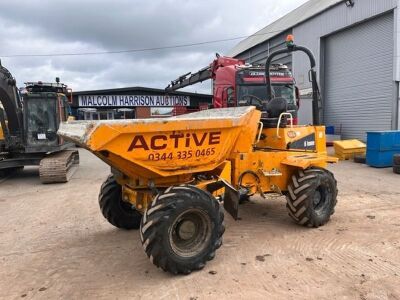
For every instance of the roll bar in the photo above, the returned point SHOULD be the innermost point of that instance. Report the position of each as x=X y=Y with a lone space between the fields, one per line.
x=316 y=97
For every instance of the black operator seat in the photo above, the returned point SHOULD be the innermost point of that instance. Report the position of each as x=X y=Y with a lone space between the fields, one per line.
x=274 y=108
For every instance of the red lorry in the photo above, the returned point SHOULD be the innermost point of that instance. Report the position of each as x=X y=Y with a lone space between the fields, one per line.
x=236 y=83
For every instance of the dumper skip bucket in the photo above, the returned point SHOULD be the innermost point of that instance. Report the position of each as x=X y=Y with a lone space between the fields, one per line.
x=189 y=143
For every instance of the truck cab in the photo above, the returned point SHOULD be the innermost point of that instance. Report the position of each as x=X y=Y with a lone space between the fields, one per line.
x=249 y=86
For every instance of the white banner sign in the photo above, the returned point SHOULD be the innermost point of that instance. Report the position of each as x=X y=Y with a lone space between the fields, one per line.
x=132 y=100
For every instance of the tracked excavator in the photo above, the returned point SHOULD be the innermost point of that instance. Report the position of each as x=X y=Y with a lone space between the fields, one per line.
x=28 y=132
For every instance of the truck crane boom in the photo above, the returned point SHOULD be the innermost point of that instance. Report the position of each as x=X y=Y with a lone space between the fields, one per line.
x=206 y=73
x=189 y=79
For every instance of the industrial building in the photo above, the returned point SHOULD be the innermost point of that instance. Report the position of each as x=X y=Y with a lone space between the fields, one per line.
x=357 y=47
x=135 y=102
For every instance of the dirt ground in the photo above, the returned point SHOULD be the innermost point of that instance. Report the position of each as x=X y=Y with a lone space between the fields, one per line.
x=54 y=243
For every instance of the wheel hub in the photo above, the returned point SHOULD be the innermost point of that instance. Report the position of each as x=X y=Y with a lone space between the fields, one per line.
x=321 y=199
x=317 y=198
x=190 y=233
x=186 y=230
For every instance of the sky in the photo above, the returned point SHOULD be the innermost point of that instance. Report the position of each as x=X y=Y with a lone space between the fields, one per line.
x=77 y=26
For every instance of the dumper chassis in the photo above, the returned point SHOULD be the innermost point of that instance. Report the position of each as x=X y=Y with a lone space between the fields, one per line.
x=173 y=178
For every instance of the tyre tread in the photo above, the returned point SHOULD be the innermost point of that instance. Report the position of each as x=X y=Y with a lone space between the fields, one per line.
x=167 y=201
x=301 y=189
x=396 y=160
x=396 y=169
x=109 y=206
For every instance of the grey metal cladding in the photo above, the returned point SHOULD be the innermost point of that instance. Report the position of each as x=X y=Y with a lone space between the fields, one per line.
x=300 y=14
x=359 y=77
x=335 y=19
x=259 y=54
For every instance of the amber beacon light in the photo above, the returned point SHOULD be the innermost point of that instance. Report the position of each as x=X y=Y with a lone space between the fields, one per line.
x=290 y=40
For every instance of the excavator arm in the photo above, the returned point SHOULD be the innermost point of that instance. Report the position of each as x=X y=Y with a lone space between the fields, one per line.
x=12 y=105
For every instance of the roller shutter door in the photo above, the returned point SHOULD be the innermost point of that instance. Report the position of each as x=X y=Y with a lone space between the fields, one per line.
x=359 y=87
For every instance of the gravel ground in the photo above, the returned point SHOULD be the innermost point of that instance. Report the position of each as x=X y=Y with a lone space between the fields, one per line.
x=54 y=243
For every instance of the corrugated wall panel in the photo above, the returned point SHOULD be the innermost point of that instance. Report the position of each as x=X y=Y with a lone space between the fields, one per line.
x=359 y=78
x=259 y=53
x=310 y=34
x=336 y=18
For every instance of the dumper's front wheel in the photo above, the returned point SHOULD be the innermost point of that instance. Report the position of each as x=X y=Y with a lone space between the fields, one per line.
x=311 y=197
x=117 y=212
x=182 y=229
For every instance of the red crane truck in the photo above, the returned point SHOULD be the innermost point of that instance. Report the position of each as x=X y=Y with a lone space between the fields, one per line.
x=236 y=83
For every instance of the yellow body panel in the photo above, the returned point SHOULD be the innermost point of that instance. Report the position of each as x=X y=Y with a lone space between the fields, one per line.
x=201 y=148
x=2 y=132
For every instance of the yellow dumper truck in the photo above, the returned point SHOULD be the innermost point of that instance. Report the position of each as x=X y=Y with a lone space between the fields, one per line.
x=171 y=176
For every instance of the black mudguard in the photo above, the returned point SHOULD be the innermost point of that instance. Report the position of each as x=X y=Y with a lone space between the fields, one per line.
x=231 y=196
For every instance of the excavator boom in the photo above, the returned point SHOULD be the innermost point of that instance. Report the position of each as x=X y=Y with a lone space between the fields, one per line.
x=12 y=105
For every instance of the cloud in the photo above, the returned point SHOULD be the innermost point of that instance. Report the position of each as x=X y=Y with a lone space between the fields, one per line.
x=40 y=27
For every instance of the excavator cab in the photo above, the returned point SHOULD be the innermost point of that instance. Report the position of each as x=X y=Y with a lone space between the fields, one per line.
x=45 y=106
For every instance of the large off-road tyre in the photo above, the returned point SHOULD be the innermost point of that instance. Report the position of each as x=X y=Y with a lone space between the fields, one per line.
x=312 y=197
x=119 y=213
x=360 y=158
x=396 y=169
x=182 y=229
x=396 y=160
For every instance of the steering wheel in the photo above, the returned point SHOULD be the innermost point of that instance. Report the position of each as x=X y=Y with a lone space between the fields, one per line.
x=251 y=100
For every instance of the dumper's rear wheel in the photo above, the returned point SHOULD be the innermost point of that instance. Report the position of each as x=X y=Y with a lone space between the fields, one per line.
x=311 y=197
x=118 y=212
x=182 y=229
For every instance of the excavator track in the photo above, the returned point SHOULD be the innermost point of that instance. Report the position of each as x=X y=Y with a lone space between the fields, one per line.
x=59 y=166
